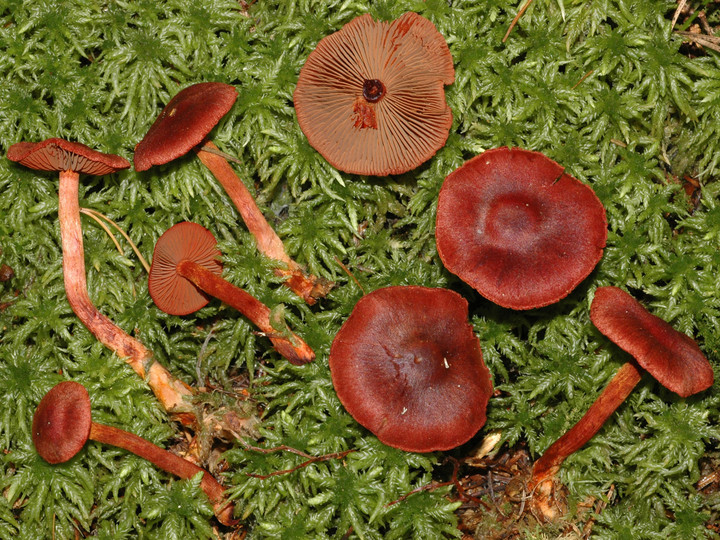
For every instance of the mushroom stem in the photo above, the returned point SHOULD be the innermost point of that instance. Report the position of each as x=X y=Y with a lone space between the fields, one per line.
x=286 y=343
x=169 y=390
x=619 y=388
x=166 y=461
x=307 y=286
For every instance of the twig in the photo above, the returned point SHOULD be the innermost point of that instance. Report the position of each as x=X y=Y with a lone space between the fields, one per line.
x=326 y=457
x=516 y=19
x=676 y=15
x=582 y=79
x=220 y=153
x=426 y=487
x=349 y=273
x=711 y=42
x=104 y=228
x=95 y=214
x=435 y=485
x=705 y=24
x=599 y=507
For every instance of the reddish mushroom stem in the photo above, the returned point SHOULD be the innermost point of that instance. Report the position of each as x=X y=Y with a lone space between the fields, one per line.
x=291 y=347
x=619 y=388
x=166 y=461
x=169 y=390
x=307 y=286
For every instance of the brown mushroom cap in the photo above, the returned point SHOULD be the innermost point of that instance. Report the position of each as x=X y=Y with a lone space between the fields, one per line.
x=62 y=421
x=514 y=226
x=407 y=366
x=60 y=155
x=171 y=292
x=370 y=97
x=184 y=122
x=673 y=358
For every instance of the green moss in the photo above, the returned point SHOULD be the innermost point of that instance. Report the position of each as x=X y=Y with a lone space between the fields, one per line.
x=598 y=85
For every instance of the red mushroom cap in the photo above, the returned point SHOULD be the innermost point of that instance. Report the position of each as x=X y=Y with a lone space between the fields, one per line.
x=407 y=366
x=62 y=421
x=171 y=292
x=184 y=122
x=60 y=155
x=670 y=356
x=514 y=226
x=371 y=97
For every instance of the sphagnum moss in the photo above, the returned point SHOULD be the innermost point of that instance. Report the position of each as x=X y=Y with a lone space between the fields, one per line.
x=599 y=86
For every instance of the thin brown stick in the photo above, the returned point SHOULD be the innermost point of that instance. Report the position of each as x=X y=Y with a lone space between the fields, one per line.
x=326 y=457
x=582 y=79
x=95 y=214
x=516 y=19
x=435 y=485
x=676 y=15
x=426 y=487
x=103 y=227
x=349 y=273
x=215 y=150
x=711 y=42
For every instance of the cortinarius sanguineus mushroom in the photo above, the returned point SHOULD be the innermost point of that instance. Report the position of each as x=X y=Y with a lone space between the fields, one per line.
x=185 y=265
x=370 y=97
x=184 y=125
x=71 y=159
x=63 y=424
x=673 y=358
x=514 y=226
x=407 y=366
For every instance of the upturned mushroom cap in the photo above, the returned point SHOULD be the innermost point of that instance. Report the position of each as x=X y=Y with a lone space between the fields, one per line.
x=184 y=122
x=370 y=97
x=171 y=292
x=60 y=155
x=61 y=425
x=407 y=366
x=514 y=226
x=673 y=358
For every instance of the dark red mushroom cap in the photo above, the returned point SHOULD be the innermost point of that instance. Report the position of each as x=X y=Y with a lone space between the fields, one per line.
x=61 y=425
x=673 y=358
x=60 y=155
x=171 y=292
x=370 y=98
x=184 y=122
x=407 y=366
x=514 y=226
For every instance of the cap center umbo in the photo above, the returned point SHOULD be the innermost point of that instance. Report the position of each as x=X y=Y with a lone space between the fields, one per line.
x=373 y=90
x=513 y=220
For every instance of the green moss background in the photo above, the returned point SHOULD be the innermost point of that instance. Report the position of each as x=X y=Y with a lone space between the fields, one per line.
x=601 y=86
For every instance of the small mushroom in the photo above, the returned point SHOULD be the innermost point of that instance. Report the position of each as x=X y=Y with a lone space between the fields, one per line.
x=184 y=125
x=185 y=269
x=370 y=97
x=63 y=424
x=514 y=226
x=673 y=358
x=407 y=366
x=71 y=159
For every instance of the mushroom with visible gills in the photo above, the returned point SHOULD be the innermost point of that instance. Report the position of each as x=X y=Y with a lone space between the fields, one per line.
x=185 y=267
x=407 y=366
x=371 y=97
x=673 y=358
x=63 y=424
x=184 y=125
x=517 y=228
x=71 y=159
